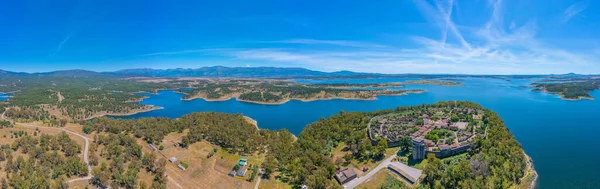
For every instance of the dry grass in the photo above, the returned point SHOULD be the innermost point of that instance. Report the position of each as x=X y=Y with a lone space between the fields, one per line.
x=5 y=138
x=380 y=178
x=79 y=184
x=273 y=183
x=202 y=172
x=358 y=165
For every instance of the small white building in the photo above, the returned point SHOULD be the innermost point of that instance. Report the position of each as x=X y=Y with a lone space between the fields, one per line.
x=173 y=159
x=181 y=167
x=153 y=147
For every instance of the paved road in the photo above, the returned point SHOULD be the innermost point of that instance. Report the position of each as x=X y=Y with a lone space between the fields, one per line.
x=85 y=152
x=354 y=183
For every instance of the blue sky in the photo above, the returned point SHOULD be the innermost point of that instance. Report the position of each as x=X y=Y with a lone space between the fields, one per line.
x=385 y=36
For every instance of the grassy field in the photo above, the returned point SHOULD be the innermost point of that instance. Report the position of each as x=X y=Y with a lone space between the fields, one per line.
x=421 y=164
x=358 y=165
x=5 y=138
x=273 y=183
x=203 y=172
x=383 y=178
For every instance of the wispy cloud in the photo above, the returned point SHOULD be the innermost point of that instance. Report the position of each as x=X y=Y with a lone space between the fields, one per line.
x=60 y=45
x=574 y=10
x=516 y=48
x=490 y=49
x=175 y=52
x=442 y=17
x=343 y=43
x=169 y=53
x=494 y=46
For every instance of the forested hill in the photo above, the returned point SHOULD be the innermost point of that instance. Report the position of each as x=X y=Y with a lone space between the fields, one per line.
x=59 y=73
x=210 y=72
x=220 y=71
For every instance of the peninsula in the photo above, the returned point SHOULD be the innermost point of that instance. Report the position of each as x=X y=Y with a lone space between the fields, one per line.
x=569 y=90
x=268 y=91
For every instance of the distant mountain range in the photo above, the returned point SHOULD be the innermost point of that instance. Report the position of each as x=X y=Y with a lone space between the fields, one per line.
x=234 y=72
x=244 y=72
x=61 y=73
x=209 y=72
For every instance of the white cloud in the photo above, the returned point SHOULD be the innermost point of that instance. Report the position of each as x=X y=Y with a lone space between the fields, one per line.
x=176 y=52
x=494 y=47
x=574 y=10
x=331 y=42
x=443 y=19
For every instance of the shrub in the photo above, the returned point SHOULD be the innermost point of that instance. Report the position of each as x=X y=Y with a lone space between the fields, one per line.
x=87 y=129
x=185 y=165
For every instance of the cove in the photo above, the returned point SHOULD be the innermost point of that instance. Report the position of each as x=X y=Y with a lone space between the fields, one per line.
x=4 y=96
x=559 y=135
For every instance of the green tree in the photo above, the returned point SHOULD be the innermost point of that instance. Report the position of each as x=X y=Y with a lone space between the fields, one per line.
x=87 y=129
x=405 y=143
x=269 y=166
x=380 y=148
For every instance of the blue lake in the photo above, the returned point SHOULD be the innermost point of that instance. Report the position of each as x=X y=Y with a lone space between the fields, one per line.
x=4 y=96
x=559 y=135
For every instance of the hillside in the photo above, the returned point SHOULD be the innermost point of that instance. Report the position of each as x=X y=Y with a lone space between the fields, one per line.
x=245 y=72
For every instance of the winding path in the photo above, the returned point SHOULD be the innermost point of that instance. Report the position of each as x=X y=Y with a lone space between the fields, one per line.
x=85 y=152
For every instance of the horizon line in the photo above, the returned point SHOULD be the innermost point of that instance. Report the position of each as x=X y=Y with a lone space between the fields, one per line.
x=357 y=72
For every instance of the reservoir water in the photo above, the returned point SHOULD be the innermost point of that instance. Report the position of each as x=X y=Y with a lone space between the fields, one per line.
x=559 y=135
x=4 y=96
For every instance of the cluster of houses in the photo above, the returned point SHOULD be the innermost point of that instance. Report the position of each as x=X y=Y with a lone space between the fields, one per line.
x=394 y=128
x=423 y=146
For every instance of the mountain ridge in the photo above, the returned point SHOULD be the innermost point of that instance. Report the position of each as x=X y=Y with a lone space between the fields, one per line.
x=222 y=71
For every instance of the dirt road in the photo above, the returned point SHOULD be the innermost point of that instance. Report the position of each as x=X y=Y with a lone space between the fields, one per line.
x=85 y=151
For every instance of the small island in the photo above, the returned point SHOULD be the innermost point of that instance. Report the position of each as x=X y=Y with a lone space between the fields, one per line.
x=433 y=82
x=571 y=90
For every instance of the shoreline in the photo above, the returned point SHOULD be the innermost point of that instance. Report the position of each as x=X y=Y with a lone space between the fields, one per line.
x=433 y=82
x=562 y=97
x=530 y=166
x=252 y=121
x=576 y=99
x=10 y=92
x=302 y=100
x=126 y=114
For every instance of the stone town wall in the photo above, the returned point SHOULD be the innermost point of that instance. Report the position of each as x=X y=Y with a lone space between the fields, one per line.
x=451 y=152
